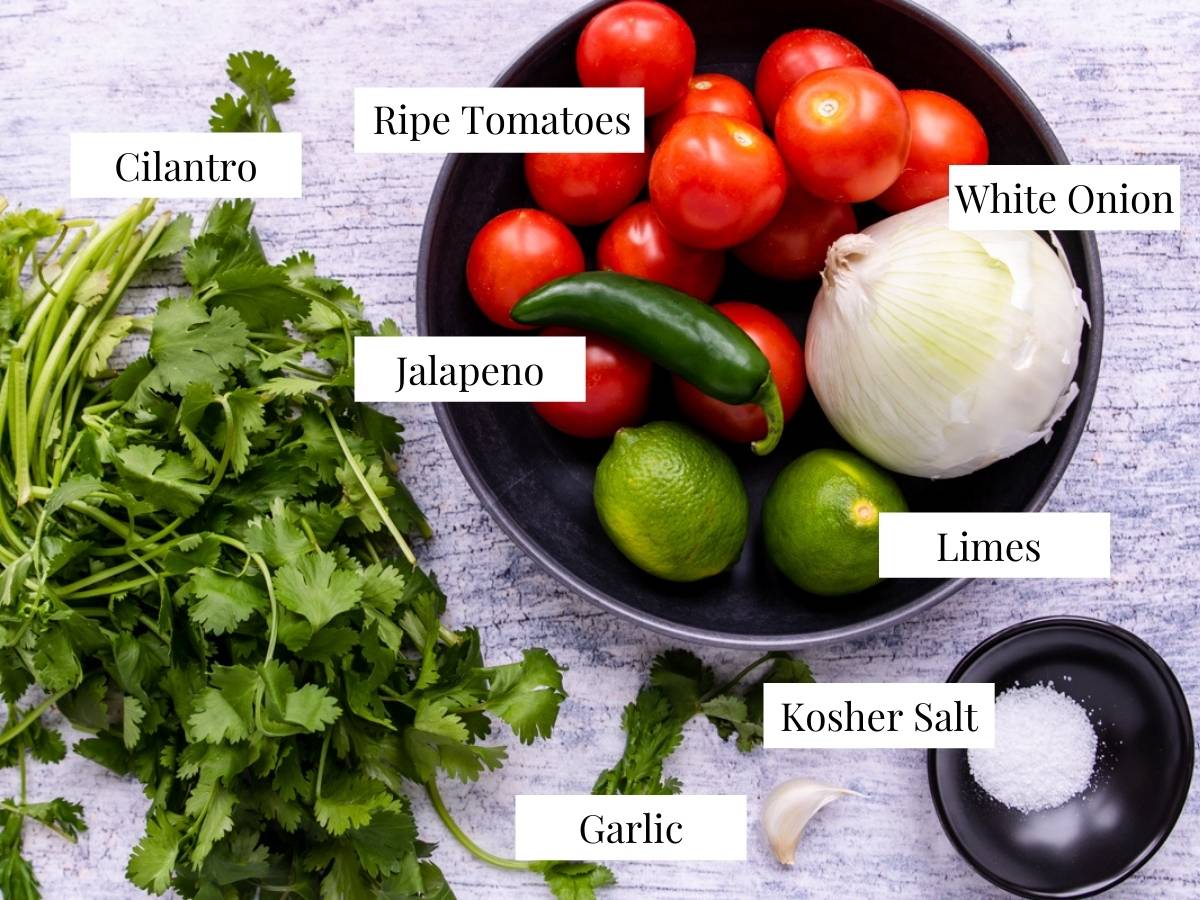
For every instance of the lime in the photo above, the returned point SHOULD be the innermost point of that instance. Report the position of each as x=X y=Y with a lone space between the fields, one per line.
x=672 y=501
x=821 y=521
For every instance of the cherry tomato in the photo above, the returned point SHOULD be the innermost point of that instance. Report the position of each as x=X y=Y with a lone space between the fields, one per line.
x=585 y=188
x=618 y=390
x=944 y=133
x=638 y=43
x=715 y=181
x=745 y=422
x=709 y=93
x=793 y=245
x=796 y=55
x=514 y=253
x=636 y=243
x=844 y=133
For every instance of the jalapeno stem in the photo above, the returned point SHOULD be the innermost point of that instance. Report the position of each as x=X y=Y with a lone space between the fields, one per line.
x=768 y=400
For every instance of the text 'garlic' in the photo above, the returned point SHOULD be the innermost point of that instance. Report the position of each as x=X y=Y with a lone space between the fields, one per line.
x=936 y=352
x=788 y=809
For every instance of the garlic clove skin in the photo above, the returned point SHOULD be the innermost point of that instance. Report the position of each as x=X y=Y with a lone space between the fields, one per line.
x=788 y=809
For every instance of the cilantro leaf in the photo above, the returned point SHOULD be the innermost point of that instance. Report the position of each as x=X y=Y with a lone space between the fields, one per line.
x=574 y=880
x=315 y=588
x=652 y=733
x=164 y=478
x=349 y=801
x=527 y=694
x=311 y=707
x=17 y=881
x=190 y=345
x=152 y=865
x=264 y=83
x=222 y=601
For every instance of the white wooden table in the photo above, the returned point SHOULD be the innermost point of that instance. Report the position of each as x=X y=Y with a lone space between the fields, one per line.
x=1118 y=81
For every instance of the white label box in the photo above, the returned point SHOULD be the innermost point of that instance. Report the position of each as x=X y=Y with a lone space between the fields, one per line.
x=879 y=715
x=994 y=545
x=498 y=120
x=631 y=827
x=499 y=369
x=1065 y=198
x=185 y=164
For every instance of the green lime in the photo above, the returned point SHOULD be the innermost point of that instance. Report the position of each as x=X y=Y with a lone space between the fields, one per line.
x=672 y=501
x=821 y=521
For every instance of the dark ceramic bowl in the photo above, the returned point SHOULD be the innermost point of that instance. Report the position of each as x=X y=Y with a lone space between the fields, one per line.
x=1144 y=765
x=537 y=483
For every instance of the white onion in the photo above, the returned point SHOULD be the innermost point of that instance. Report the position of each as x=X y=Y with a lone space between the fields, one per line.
x=936 y=352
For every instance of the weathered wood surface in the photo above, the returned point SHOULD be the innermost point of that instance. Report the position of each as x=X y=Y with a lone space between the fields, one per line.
x=1118 y=81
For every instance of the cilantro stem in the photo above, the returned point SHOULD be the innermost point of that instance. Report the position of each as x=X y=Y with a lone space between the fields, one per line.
x=30 y=717
x=19 y=810
x=503 y=862
x=366 y=486
x=716 y=692
x=19 y=437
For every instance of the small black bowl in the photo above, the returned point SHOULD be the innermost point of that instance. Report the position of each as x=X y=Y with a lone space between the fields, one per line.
x=537 y=483
x=1144 y=763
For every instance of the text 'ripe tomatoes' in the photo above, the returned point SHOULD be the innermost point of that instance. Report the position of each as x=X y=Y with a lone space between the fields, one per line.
x=638 y=43
x=585 y=188
x=944 y=133
x=618 y=390
x=514 y=253
x=844 y=133
x=709 y=93
x=797 y=55
x=793 y=245
x=745 y=422
x=636 y=243
x=716 y=181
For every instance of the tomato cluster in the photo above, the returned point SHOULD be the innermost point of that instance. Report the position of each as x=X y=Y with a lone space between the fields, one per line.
x=770 y=175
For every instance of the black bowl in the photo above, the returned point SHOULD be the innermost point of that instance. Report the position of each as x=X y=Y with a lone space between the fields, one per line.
x=537 y=483
x=1145 y=758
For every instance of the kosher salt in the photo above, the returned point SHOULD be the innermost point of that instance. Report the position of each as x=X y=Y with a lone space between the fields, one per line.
x=1045 y=750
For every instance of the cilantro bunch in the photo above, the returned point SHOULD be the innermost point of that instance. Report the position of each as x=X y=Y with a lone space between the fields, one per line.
x=206 y=566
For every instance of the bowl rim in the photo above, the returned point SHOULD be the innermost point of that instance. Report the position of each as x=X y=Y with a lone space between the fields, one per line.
x=1179 y=698
x=1076 y=419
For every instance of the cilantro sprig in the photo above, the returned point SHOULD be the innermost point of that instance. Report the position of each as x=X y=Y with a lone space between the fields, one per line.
x=680 y=688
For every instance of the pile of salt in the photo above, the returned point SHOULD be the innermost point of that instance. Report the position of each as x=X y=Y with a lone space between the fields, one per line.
x=1045 y=750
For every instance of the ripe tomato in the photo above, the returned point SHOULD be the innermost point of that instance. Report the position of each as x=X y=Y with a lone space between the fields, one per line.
x=793 y=245
x=708 y=93
x=618 y=390
x=636 y=243
x=585 y=188
x=944 y=133
x=844 y=133
x=638 y=43
x=514 y=253
x=715 y=181
x=745 y=422
x=796 y=55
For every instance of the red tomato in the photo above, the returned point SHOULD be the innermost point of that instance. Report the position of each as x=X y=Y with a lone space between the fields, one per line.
x=944 y=133
x=636 y=243
x=514 y=253
x=844 y=133
x=585 y=188
x=793 y=246
x=709 y=93
x=638 y=43
x=715 y=181
x=797 y=55
x=618 y=390
x=745 y=422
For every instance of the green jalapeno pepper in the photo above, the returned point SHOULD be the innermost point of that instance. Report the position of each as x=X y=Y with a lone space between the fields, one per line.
x=678 y=332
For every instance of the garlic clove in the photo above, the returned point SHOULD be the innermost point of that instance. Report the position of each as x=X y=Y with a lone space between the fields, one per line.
x=788 y=809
